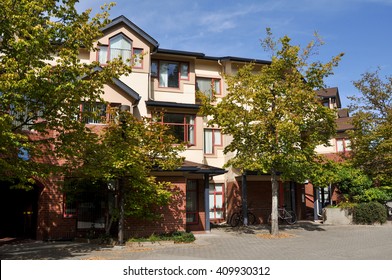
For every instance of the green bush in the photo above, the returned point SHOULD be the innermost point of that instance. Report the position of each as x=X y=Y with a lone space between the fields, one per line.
x=177 y=237
x=370 y=213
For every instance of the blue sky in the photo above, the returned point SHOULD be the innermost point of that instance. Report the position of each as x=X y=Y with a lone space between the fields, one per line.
x=362 y=29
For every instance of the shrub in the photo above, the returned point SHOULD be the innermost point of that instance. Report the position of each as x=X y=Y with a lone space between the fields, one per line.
x=370 y=213
x=375 y=194
x=183 y=237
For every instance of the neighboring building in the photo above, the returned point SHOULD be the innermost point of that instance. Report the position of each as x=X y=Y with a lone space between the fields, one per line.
x=163 y=81
x=316 y=198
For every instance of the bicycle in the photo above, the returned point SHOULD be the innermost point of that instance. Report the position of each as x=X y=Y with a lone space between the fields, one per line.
x=288 y=216
x=237 y=218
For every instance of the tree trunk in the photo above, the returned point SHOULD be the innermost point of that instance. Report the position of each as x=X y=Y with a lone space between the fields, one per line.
x=274 y=210
x=121 y=218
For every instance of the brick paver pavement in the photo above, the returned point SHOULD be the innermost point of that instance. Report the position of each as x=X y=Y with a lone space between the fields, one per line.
x=304 y=241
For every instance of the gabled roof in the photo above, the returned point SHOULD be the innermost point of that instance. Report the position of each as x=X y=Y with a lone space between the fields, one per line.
x=134 y=27
x=128 y=90
x=327 y=93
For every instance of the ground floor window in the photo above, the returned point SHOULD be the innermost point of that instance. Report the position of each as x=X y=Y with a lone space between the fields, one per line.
x=191 y=202
x=216 y=201
x=88 y=202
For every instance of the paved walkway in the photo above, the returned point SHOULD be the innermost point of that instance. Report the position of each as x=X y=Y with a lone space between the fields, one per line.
x=306 y=240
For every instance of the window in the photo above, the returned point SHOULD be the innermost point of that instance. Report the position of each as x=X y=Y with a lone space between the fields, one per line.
x=96 y=113
x=119 y=46
x=70 y=207
x=184 y=71
x=170 y=73
x=343 y=145
x=154 y=68
x=212 y=138
x=191 y=202
x=89 y=206
x=216 y=201
x=138 y=58
x=208 y=86
x=181 y=126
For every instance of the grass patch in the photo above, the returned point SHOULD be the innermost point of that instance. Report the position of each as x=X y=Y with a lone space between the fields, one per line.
x=176 y=237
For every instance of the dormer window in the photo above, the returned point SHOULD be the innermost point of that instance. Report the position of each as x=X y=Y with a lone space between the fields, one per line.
x=119 y=46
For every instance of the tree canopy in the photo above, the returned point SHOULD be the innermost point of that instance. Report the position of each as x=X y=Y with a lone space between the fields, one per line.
x=43 y=82
x=123 y=155
x=371 y=138
x=274 y=115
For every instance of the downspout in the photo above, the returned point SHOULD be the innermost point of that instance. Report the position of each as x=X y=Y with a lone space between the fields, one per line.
x=244 y=199
x=207 y=201
x=149 y=74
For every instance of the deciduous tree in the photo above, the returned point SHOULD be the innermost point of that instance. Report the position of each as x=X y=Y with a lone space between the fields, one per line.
x=43 y=82
x=274 y=116
x=124 y=154
x=371 y=138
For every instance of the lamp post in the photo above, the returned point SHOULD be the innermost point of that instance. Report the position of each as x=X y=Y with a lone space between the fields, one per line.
x=121 y=180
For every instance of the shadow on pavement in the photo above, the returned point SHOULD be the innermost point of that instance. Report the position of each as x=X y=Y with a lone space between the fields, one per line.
x=39 y=250
x=254 y=229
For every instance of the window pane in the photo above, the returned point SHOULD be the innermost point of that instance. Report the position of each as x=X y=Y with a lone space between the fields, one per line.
x=173 y=118
x=208 y=147
x=191 y=217
x=340 y=146
x=218 y=201
x=184 y=71
x=219 y=188
x=217 y=137
x=348 y=143
x=204 y=85
x=191 y=185
x=219 y=214
x=97 y=111
x=154 y=68
x=103 y=54
x=168 y=74
x=138 y=58
x=217 y=86
x=120 y=46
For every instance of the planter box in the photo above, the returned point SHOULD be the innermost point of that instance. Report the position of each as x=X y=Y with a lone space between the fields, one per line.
x=337 y=216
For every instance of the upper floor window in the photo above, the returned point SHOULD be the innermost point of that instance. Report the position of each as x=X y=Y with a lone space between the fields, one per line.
x=137 y=58
x=343 y=145
x=97 y=113
x=119 y=46
x=170 y=73
x=181 y=126
x=212 y=139
x=208 y=86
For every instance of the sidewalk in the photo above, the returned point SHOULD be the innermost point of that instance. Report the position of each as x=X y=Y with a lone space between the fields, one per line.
x=303 y=241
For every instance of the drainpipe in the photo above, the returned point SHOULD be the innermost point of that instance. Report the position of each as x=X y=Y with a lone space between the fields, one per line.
x=244 y=199
x=207 y=201
x=149 y=75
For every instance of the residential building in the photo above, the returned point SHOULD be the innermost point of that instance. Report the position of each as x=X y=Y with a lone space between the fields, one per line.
x=163 y=81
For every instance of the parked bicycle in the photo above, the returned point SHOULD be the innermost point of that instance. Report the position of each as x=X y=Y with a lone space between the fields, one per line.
x=288 y=216
x=237 y=218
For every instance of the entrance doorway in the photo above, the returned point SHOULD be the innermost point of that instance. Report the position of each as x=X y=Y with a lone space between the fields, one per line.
x=18 y=211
